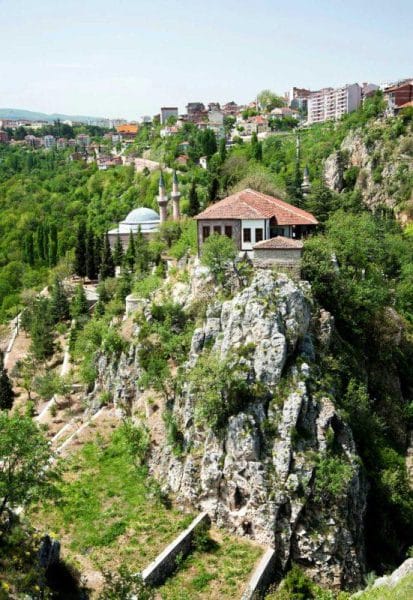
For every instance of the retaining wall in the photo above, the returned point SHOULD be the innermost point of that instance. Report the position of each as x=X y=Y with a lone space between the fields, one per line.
x=262 y=577
x=165 y=563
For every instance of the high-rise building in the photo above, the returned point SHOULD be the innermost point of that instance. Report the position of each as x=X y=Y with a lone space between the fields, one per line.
x=168 y=111
x=330 y=103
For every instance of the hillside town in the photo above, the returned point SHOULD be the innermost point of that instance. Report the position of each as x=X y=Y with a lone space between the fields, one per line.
x=265 y=116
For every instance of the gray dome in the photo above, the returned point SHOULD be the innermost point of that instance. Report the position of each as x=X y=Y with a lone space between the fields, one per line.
x=141 y=215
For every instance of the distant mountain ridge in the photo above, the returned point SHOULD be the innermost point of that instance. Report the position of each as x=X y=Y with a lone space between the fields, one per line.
x=22 y=114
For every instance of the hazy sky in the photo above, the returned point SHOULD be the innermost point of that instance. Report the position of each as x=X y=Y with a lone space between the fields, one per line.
x=129 y=57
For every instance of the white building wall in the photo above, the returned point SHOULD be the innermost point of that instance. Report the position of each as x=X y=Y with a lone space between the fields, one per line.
x=252 y=224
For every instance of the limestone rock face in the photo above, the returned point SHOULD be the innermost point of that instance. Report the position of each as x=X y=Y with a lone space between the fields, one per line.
x=379 y=159
x=258 y=475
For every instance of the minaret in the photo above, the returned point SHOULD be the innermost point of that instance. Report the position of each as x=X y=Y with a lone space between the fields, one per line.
x=176 y=195
x=306 y=185
x=162 y=199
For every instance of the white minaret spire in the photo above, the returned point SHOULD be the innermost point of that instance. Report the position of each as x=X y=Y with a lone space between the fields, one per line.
x=162 y=199
x=175 y=196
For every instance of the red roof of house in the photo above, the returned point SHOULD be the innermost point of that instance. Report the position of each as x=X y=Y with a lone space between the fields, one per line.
x=279 y=243
x=249 y=204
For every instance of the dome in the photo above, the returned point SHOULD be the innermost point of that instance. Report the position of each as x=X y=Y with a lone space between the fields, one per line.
x=141 y=215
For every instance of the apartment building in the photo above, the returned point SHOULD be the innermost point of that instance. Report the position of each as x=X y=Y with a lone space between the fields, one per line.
x=330 y=103
x=168 y=111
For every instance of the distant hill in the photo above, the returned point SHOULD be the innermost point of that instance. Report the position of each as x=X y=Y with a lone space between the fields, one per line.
x=21 y=114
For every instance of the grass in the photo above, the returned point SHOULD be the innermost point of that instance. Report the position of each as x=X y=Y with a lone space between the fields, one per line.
x=402 y=591
x=220 y=571
x=110 y=511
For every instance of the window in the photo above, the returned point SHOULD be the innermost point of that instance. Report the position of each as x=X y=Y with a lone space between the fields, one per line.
x=205 y=233
x=217 y=229
x=247 y=234
x=258 y=234
x=228 y=231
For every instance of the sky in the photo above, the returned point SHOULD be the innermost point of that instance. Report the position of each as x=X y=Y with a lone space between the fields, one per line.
x=127 y=58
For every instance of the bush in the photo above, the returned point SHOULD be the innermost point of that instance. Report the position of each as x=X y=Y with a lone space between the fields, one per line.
x=218 y=253
x=124 y=585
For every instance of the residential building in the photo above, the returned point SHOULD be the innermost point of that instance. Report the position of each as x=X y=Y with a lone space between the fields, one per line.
x=49 y=141
x=298 y=98
x=83 y=140
x=330 y=103
x=399 y=94
x=4 y=137
x=61 y=143
x=168 y=111
x=230 y=108
x=250 y=217
x=280 y=252
x=32 y=140
x=127 y=130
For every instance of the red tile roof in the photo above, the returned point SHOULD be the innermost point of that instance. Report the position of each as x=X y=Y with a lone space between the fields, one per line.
x=249 y=204
x=279 y=243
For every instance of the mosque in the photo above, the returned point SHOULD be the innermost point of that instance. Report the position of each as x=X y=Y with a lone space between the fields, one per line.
x=146 y=219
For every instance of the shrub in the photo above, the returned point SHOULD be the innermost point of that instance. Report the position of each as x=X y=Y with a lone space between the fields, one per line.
x=218 y=253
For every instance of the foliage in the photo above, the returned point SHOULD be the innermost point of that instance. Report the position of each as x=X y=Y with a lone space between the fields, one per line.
x=6 y=388
x=123 y=522
x=25 y=455
x=79 y=307
x=332 y=477
x=218 y=253
x=297 y=586
x=220 y=387
x=124 y=585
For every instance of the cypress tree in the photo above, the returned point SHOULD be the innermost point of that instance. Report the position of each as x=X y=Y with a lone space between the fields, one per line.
x=98 y=254
x=41 y=331
x=213 y=189
x=118 y=252
x=40 y=243
x=79 y=306
x=193 y=208
x=141 y=251
x=90 y=255
x=107 y=267
x=130 y=255
x=59 y=302
x=29 y=249
x=222 y=150
x=6 y=388
x=80 y=251
x=46 y=243
x=53 y=245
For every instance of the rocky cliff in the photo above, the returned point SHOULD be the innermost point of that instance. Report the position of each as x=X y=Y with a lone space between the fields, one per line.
x=378 y=162
x=282 y=468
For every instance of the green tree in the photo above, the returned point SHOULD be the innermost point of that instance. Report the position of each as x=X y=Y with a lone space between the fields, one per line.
x=222 y=150
x=213 y=189
x=269 y=100
x=256 y=148
x=41 y=330
x=79 y=306
x=193 y=208
x=107 y=267
x=6 y=388
x=59 y=302
x=118 y=252
x=98 y=254
x=53 y=245
x=80 y=251
x=130 y=255
x=26 y=473
x=91 y=271
x=29 y=249
x=218 y=253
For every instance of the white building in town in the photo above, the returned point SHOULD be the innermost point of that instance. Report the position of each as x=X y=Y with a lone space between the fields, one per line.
x=329 y=103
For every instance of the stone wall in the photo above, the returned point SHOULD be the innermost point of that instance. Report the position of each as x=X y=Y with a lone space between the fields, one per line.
x=165 y=563
x=262 y=577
